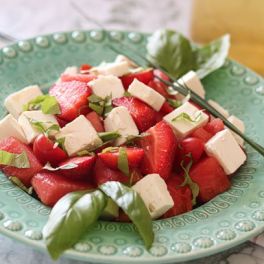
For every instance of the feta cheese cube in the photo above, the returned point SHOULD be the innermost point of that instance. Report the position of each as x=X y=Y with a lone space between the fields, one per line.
x=107 y=85
x=30 y=132
x=72 y=70
x=153 y=191
x=114 y=68
x=219 y=108
x=226 y=150
x=192 y=81
x=14 y=102
x=9 y=127
x=240 y=126
x=79 y=135
x=182 y=127
x=119 y=119
x=122 y=58
x=146 y=94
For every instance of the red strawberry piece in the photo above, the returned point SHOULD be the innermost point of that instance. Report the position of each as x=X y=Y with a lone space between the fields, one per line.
x=13 y=145
x=166 y=108
x=210 y=177
x=50 y=186
x=134 y=156
x=161 y=88
x=214 y=126
x=143 y=76
x=159 y=146
x=61 y=122
x=202 y=134
x=45 y=151
x=103 y=174
x=135 y=175
x=123 y=217
x=77 y=77
x=161 y=75
x=96 y=121
x=83 y=170
x=85 y=67
x=143 y=115
x=72 y=97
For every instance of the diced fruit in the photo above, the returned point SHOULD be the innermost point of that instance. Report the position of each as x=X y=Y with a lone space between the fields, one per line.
x=202 y=134
x=134 y=156
x=160 y=88
x=50 y=187
x=96 y=121
x=143 y=115
x=166 y=108
x=143 y=76
x=72 y=97
x=15 y=146
x=210 y=177
x=135 y=175
x=161 y=75
x=82 y=171
x=85 y=67
x=77 y=77
x=46 y=151
x=123 y=217
x=159 y=146
x=62 y=123
x=214 y=126
x=181 y=195
x=103 y=174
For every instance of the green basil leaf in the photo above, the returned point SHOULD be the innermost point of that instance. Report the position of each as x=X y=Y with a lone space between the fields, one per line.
x=97 y=108
x=108 y=105
x=70 y=219
x=109 y=136
x=133 y=205
x=47 y=103
x=102 y=106
x=174 y=103
x=63 y=167
x=122 y=162
x=171 y=51
x=186 y=117
x=110 y=149
x=20 y=161
x=85 y=152
x=61 y=143
x=188 y=180
x=131 y=138
x=20 y=184
x=44 y=127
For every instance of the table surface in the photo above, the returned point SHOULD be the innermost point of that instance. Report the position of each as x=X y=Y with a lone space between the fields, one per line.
x=17 y=20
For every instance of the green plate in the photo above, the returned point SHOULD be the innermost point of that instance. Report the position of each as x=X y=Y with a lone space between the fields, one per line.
x=225 y=221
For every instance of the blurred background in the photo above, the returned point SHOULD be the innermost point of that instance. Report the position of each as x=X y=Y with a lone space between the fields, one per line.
x=201 y=20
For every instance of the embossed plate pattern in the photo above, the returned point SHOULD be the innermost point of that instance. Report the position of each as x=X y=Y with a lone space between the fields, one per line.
x=227 y=220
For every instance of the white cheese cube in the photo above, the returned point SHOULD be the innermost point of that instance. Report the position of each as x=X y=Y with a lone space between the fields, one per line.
x=146 y=94
x=14 y=102
x=9 y=127
x=107 y=85
x=119 y=119
x=30 y=132
x=182 y=127
x=153 y=191
x=192 y=81
x=114 y=68
x=122 y=58
x=239 y=124
x=79 y=135
x=226 y=150
x=219 y=108
x=71 y=70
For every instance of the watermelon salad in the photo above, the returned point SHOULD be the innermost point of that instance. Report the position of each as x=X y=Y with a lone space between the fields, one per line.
x=117 y=123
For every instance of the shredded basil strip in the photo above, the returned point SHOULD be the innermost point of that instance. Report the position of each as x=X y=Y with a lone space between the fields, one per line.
x=102 y=106
x=20 y=161
x=68 y=166
x=109 y=136
x=122 y=162
x=20 y=184
x=44 y=127
x=186 y=117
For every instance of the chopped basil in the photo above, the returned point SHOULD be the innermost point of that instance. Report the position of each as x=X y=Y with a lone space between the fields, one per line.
x=186 y=117
x=70 y=219
x=20 y=161
x=61 y=143
x=108 y=136
x=43 y=126
x=174 y=103
x=46 y=103
x=85 y=152
x=122 y=162
x=110 y=149
x=102 y=106
x=18 y=182
x=63 y=167
x=132 y=204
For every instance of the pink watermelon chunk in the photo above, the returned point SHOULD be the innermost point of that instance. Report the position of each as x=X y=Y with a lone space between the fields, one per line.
x=15 y=146
x=77 y=77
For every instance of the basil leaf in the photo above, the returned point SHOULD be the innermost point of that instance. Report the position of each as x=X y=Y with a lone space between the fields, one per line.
x=174 y=103
x=171 y=51
x=20 y=184
x=131 y=138
x=186 y=117
x=20 y=161
x=43 y=126
x=109 y=136
x=110 y=149
x=97 y=108
x=70 y=218
x=122 y=161
x=188 y=180
x=85 y=152
x=47 y=103
x=102 y=106
x=108 y=105
x=132 y=204
x=175 y=54
x=61 y=143
x=63 y=167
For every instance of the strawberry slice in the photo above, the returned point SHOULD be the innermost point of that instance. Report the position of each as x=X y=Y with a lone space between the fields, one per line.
x=103 y=174
x=96 y=121
x=50 y=187
x=82 y=171
x=143 y=115
x=202 y=134
x=77 y=77
x=214 y=126
x=15 y=146
x=166 y=108
x=134 y=156
x=72 y=97
x=159 y=147
x=210 y=177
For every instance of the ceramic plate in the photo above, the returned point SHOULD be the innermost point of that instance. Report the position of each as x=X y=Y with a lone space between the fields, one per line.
x=225 y=221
